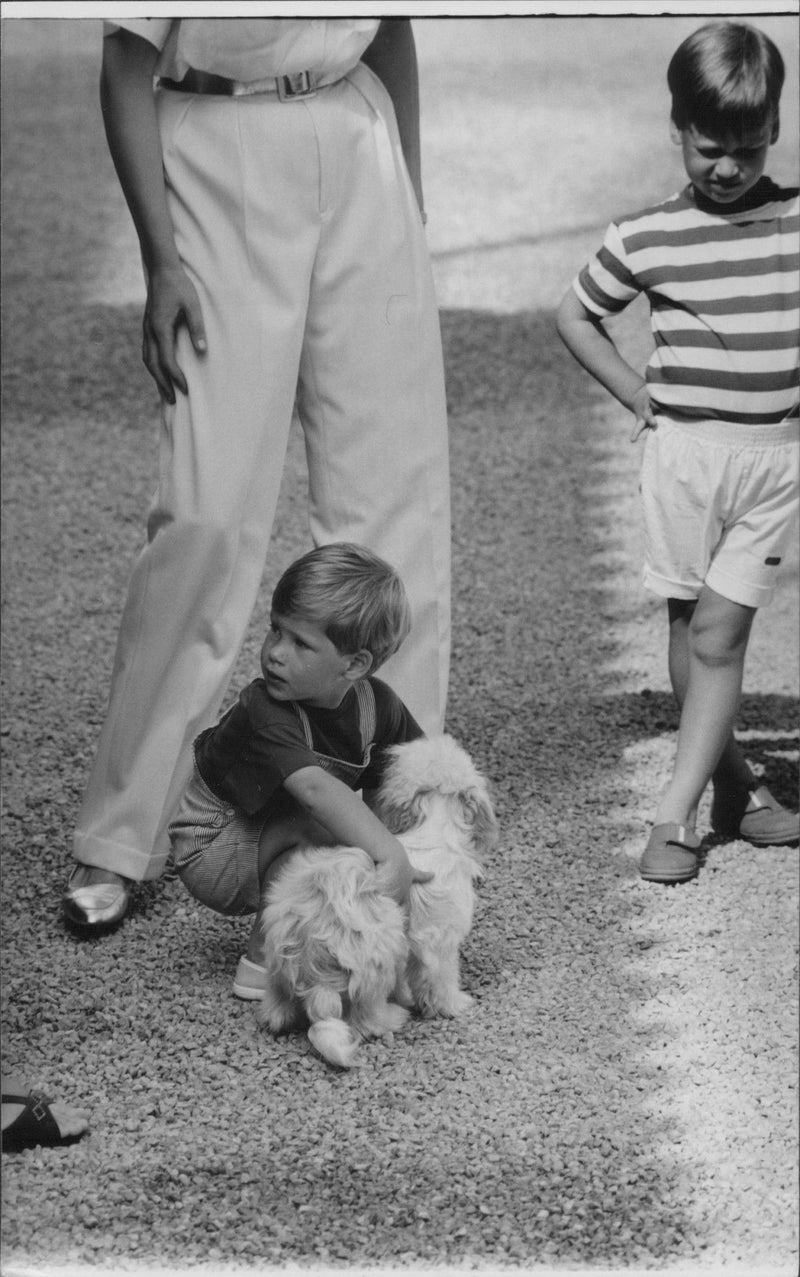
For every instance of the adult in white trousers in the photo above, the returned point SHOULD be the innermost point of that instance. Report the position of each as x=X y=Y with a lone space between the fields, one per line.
x=278 y=212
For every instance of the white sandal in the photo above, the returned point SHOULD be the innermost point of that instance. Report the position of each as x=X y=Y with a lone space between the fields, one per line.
x=249 y=981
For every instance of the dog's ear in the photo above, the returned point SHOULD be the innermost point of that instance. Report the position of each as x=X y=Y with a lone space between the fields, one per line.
x=480 y=818
x=400 y=814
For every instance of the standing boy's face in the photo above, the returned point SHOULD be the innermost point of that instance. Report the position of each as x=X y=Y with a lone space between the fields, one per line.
x=724 y=167
x=300 y=663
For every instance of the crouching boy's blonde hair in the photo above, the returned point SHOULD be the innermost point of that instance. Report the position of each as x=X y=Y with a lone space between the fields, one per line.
x=356 y=598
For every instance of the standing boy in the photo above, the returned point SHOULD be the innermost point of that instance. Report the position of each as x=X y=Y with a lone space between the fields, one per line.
x=719 y=265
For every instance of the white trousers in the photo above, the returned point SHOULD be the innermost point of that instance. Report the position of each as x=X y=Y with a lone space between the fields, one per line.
x=298 y=225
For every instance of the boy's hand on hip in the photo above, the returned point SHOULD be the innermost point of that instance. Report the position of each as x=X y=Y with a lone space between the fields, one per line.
x=643 y=411
x=172 y=301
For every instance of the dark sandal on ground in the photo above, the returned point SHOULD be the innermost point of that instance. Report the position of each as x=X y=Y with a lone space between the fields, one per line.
x=672 y=854
x=35 y=1124
x=756 y=817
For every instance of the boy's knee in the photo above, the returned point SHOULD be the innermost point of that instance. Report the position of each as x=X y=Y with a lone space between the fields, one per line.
x=285 y=834
x=272 y=869
x=719 y=631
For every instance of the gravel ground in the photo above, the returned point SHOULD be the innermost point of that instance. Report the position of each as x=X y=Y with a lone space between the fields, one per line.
x=624 y=1096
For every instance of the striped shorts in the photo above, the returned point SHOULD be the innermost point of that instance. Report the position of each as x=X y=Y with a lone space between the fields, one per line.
x=215 y=849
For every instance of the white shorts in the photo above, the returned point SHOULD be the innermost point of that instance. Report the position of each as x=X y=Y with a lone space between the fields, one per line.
x=720 y=507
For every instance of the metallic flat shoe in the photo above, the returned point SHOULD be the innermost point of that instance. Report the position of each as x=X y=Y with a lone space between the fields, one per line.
x=100 y=905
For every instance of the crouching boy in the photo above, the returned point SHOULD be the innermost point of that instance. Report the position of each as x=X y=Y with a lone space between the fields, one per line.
x=282 y=767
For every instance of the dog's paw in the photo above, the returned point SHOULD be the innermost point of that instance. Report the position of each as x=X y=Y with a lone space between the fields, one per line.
x=403 y=996
x=378 y=1021
x=449 y=1006
x=334 y=1042
x=396 y=1017
x=279 y=1019
x=459 y=1004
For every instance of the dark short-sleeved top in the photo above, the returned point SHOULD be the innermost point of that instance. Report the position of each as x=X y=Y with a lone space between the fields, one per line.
x=259 y=742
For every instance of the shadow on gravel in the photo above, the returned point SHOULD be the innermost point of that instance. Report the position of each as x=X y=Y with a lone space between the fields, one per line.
x=767 y=725
x=522 y=1134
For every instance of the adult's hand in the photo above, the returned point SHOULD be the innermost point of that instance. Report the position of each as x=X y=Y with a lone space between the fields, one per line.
x=172 y=303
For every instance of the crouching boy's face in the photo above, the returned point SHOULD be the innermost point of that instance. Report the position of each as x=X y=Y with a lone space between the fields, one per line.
x=300 y=663
x=724 y=167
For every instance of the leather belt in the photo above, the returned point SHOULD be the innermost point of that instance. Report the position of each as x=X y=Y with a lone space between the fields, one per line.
x=302 y=84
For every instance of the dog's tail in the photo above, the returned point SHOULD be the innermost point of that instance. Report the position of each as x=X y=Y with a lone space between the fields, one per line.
x=335 y=1042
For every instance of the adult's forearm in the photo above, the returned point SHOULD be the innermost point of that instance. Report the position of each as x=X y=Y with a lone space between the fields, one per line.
x=392 y=55
x=129 y=115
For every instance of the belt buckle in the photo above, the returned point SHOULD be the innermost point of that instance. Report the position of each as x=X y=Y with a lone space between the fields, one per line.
x=299 y=85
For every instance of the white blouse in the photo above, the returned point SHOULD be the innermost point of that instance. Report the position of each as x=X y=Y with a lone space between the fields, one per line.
x=253 y=49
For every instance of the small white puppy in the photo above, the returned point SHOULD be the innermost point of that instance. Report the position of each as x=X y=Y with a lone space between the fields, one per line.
x=337 y=947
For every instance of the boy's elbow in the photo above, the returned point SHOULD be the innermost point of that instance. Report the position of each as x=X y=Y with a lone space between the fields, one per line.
x=573 y=321
x=565 y=315
x=305 y=783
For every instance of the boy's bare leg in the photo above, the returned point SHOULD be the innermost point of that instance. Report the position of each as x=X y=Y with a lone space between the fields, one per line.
x=732 y=774
x=278 y=840
x=708 y=644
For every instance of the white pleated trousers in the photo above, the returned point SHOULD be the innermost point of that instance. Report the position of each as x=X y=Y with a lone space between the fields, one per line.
x=298 y=225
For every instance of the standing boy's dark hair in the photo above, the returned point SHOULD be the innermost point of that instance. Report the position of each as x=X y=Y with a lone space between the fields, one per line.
x=725 y=77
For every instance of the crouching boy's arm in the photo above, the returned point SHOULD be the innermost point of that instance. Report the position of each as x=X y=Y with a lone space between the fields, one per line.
x=584 y=335
x=349 y=821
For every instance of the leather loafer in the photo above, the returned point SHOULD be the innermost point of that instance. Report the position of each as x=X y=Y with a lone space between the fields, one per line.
x=671 y=854
x=757 y=817
x=98 y=905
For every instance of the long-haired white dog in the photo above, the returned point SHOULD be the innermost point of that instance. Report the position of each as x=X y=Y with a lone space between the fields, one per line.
x=338 y=948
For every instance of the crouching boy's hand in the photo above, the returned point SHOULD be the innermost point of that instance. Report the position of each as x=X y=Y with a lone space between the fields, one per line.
x=399 y=872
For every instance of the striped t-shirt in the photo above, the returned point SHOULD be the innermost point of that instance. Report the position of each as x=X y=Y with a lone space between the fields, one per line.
x=724 y=294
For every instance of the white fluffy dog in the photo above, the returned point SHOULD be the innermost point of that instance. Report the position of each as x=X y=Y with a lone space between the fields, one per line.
x=337 y=947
